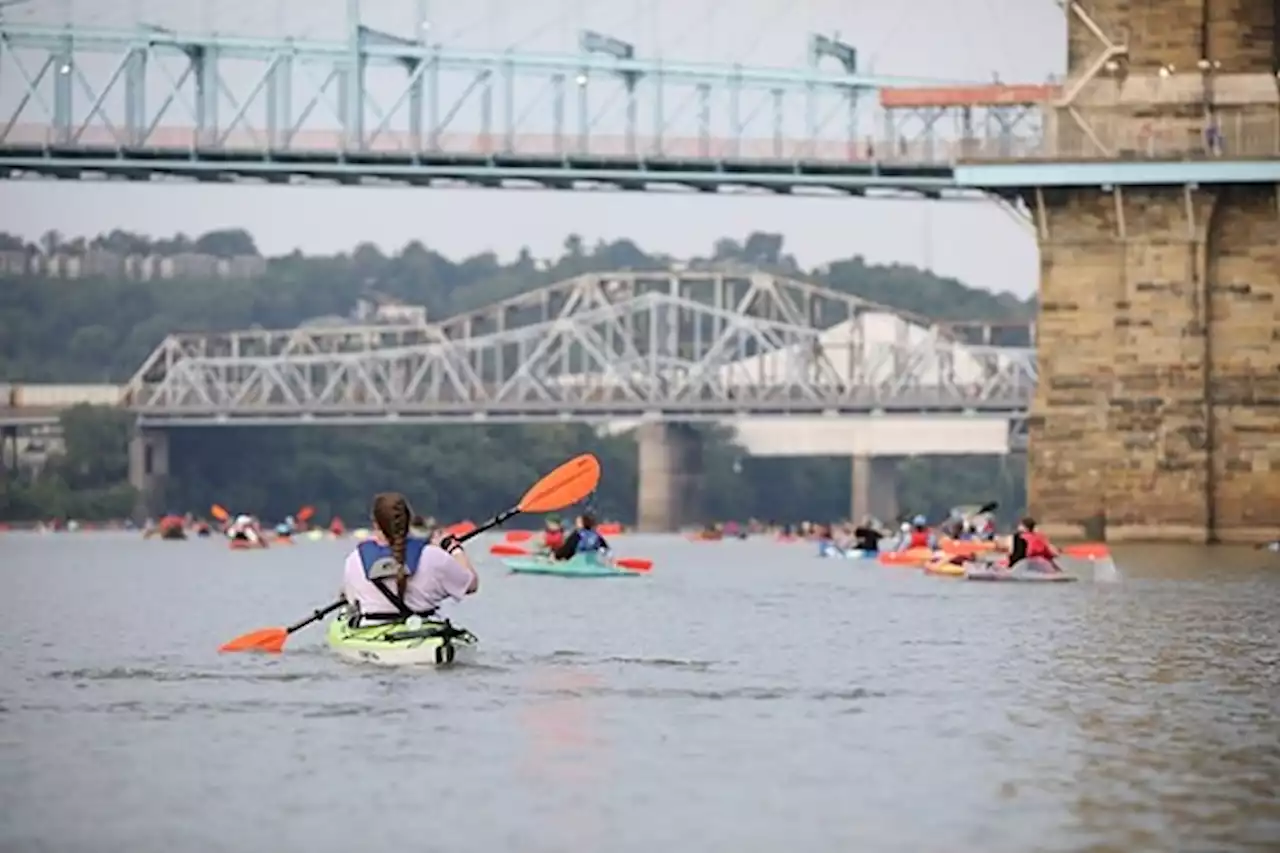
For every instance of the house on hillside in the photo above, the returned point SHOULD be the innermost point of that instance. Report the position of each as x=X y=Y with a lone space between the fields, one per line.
x=378 y=309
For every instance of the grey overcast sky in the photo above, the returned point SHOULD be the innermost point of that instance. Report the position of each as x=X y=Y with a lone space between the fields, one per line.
x=1018 y=40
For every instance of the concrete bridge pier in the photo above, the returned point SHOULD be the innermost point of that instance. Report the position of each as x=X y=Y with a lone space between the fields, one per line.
x=875 y=488
x=1155 y=416
x=671 y=477
x=149 y=471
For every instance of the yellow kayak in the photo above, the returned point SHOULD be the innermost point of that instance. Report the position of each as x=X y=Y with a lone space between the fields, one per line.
x=943 y=567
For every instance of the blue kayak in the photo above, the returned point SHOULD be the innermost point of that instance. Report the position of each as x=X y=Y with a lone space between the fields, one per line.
x=580 y=566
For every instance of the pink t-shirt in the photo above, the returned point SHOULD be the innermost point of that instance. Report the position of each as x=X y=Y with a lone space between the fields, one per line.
x=438 y=577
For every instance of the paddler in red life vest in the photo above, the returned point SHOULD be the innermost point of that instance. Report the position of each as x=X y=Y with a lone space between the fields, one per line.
x=336 y=527
x=553 y=535
x=920 y=536
x=1027 y=544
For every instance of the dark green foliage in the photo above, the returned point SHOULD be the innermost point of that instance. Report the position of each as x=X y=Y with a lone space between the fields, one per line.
x=101 y=330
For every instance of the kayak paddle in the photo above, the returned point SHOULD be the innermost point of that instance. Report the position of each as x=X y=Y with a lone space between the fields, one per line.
x=1088 y=551
x=563 y=487
x=504 y=550
x=219 y=513
x=633 y=564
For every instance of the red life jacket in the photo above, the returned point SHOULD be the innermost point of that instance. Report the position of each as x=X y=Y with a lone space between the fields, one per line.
x=1037 y=546
x=919 y=539
x=553 y=538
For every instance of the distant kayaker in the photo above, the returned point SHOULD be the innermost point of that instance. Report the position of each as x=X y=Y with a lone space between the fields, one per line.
x=423 y=528
x=918 y=536
x=243 y=528
x=553 y=533
x=392 y=576
x=1028 y=544
x=866 y=537
x=584 y=540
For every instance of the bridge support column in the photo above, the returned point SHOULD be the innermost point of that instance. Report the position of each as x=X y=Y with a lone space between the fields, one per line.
x=1159 y=365
x=875 y=488
x=149 y=471
x=8 y=449
x=671 y=475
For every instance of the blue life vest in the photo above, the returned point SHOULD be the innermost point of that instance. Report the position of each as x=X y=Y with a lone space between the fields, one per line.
x=283 y=529
x=377 y=560
x=589 y=542
x=380 y=567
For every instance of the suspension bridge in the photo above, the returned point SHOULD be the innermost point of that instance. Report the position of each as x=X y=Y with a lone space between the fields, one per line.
x=154 y=102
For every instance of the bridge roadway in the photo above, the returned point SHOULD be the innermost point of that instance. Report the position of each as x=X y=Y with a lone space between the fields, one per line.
x=151 y=103
x=670 y=346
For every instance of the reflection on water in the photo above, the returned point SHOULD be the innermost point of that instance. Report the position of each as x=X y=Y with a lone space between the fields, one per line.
x=745 y=697
x=565 y=758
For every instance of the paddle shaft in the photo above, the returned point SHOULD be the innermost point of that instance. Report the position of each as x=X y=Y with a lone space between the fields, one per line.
x=316 y=616
x=500 y=518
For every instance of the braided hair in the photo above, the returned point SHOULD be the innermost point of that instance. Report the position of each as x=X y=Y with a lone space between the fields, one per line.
x=392 y=515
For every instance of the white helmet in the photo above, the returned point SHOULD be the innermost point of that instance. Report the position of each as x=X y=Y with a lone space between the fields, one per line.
x=243 y=519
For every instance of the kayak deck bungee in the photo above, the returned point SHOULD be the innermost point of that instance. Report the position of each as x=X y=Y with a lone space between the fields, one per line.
x=575 y=567
x=411 y=643
x=1033 y=570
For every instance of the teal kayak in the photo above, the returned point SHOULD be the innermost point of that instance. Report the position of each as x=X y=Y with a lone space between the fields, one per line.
x=576 y=567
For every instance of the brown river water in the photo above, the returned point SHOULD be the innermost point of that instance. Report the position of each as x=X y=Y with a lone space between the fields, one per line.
x=746 y=696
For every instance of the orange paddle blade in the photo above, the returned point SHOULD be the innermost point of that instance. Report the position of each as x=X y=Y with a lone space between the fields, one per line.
x=262 y=640
x=563 y=487
x=305 y=513
x=519 y=535
x=504 y=550
x=610 y=529
x=1088 y=551
x=219 y=513
x=633 y=564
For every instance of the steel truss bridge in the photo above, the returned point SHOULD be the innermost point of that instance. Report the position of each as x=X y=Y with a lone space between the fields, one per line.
x=375 y=108
x=679 y=346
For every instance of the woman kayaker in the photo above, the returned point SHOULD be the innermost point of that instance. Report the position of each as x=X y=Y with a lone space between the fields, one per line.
x=393 y=576
x=584 y=540
x=553 y=534
x=1027 y=544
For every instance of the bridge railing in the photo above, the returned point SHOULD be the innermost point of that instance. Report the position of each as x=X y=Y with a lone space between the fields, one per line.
x=1237 y=136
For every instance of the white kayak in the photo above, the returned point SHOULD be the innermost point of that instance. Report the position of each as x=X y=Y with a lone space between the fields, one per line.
x=1032 y=570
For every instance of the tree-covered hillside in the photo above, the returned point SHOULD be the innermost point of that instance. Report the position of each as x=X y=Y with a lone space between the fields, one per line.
x=100 y=328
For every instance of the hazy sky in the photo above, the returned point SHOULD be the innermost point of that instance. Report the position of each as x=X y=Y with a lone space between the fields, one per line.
x=1019 y=40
